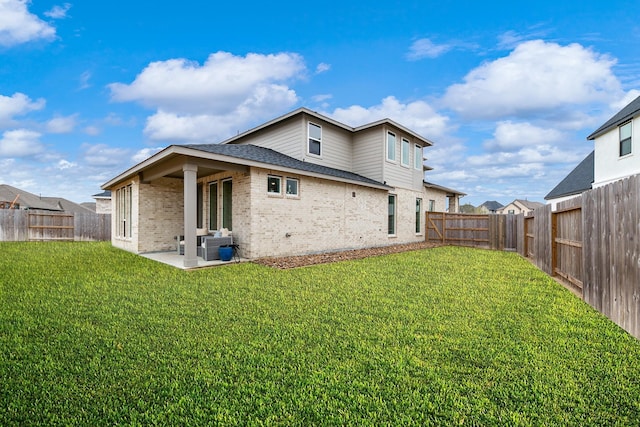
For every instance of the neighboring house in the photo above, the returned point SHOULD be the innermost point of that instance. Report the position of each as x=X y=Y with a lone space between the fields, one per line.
x=519 y=206
x=91 y=206
x=301 y=183
x=580 y=179
x=21 y=199
x=615 y=155
x=490 y=206
x=25 y=200
x=67 y=205
x=103 y=202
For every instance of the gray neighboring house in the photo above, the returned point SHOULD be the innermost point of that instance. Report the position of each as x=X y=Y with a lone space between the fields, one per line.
x=490 y=206
x=103 y=202
x=580 y=179
x=301 y=183
x=614 y=157
x=24 y=200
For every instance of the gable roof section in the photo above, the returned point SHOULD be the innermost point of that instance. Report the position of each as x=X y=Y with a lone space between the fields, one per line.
x=628 y=112
x=577 y=181
x=528 y=203
x=274 y=158
x=26 y=200
x=326 y=119
x=492 y=205
x=67 y=205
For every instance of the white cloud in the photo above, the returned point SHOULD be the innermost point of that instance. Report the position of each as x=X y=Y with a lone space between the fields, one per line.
x=145 y=153
x=58 y=12
x=65 y=164
x=18 y=26
x=84 y=80
x=103 y=155
x=212 y=101
x=417 y=116
x=62 y=124
x=536 y=78
x=16 y=105
x=92 y=130
x=510 y=136
x=425 y=48
x=20 y=143
x=322 y=67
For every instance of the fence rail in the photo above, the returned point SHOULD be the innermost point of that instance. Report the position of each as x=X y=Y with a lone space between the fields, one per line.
x=485 y=231
x=18 y=225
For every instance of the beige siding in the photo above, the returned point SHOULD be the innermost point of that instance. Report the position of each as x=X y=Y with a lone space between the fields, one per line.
x=336 y=149
x=396 y=174
x=288 y=137
x=368 y=153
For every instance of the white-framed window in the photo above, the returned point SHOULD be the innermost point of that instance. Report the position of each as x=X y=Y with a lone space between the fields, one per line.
x=292 y=187
x=124 y=204
x=391 y=215
x=227 y=204
x=418 y=216
x=404 y=152
x=391 y=147
x=314 y=145
x=274 y=185
x=213 y=205
x=417 y=157
x=625 y=139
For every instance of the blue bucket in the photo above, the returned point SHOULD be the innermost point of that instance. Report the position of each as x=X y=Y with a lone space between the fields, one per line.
x=225 y=252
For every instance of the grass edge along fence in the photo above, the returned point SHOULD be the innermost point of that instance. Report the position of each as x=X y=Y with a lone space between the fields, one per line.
x=591 y=243
x=18 y=225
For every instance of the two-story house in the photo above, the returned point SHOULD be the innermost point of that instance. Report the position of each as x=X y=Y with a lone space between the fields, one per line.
x=302 y=183
x=615 y=156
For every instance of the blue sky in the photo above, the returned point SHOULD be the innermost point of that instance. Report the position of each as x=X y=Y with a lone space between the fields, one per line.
x=507 y=93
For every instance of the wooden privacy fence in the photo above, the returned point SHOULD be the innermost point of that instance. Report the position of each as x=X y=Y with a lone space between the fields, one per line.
x=27 y=225
x=485 y=231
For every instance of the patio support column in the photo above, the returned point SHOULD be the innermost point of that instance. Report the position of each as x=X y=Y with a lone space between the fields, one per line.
x=190 y=188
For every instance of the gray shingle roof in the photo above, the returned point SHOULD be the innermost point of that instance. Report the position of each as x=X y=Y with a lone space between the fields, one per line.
x=620 y=117
x=26 y=200
x=271 y=157
x=578 y=180
x=492 y=205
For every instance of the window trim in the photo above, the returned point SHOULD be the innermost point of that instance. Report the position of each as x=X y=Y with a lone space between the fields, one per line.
x=392 y=217
x=213 y=206
x=417 y=157
x=310 y=138
x=387 y=146
x=286 y=187
x=124 y=212
x=418 y=215
x=404 y=142
x=624 y=141
x=279 y=179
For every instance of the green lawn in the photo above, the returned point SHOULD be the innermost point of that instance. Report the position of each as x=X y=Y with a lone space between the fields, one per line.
x=91 y=335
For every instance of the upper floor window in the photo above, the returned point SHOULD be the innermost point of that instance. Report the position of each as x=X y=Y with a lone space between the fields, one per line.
x=404 y=152
x=417 y=157
x=625 y=139
x=391 y=146
x=315 y=139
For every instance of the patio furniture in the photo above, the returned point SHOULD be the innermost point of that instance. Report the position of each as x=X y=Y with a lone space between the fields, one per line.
x=210 y=245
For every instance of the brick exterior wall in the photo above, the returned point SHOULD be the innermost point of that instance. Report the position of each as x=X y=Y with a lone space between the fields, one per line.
x=103 y=206
x=325 y=216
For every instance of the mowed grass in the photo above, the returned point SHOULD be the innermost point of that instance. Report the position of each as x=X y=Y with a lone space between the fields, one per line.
x=91 y=335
